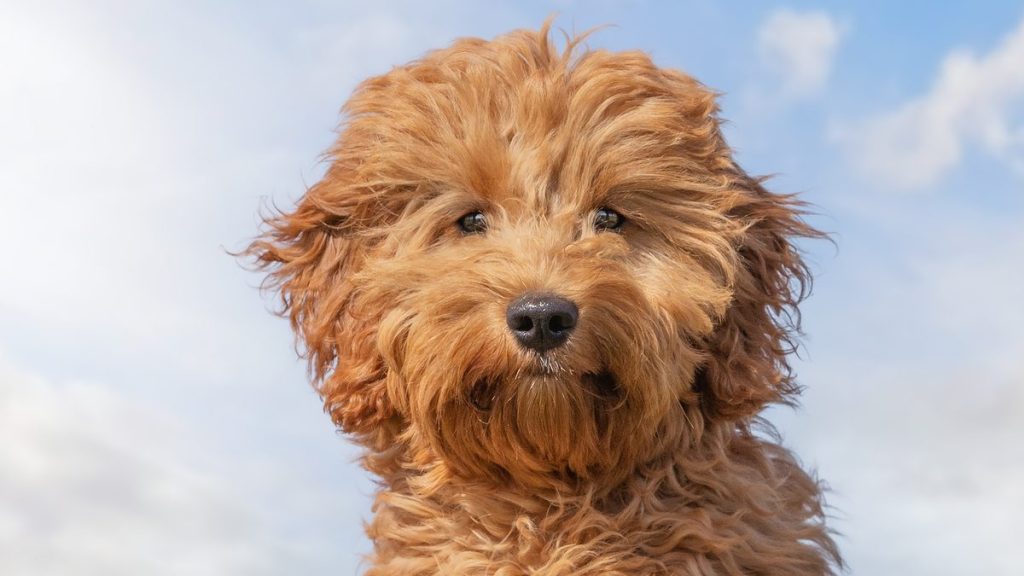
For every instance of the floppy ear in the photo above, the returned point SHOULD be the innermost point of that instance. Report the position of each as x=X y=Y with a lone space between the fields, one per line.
x=310 y=256
x=748 y=365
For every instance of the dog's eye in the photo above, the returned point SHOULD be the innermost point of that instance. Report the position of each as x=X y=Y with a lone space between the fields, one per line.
x=608 y=219
x=473 y=223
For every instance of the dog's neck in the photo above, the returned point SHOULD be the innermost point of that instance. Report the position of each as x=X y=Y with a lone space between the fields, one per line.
x=732 y=495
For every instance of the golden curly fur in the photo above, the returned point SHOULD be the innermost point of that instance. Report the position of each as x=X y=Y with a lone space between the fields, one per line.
x=631 y=449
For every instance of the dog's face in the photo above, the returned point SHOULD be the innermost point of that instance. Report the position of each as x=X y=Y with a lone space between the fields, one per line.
x=532 y=267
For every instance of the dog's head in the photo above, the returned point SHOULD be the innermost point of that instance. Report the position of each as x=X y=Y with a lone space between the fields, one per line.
x=535 y=266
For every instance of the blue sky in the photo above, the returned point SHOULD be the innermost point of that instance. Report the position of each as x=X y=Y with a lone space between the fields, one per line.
x=154 y=418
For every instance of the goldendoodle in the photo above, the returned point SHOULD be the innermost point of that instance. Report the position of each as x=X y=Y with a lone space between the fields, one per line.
x=538 y=289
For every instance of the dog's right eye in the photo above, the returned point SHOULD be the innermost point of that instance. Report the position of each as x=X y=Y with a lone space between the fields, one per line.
x=473 y=223
x=608 y=219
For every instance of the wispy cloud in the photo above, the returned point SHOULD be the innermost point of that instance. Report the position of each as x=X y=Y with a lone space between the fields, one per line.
x=798 y=48
x=92 y=482
x=914 y=421
x=975 y=100
x=912 y=452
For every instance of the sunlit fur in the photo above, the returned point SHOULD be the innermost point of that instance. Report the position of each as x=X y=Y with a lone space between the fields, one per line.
x=496 y=460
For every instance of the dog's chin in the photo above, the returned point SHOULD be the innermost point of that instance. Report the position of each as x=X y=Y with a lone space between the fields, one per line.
x=540 y=425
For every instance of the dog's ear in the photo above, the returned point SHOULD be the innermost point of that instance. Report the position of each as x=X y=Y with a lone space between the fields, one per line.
x=310 y=256
x=748 y=365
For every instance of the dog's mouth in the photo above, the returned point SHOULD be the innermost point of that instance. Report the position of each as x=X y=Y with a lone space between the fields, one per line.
x=482 y=394
x=603 y=386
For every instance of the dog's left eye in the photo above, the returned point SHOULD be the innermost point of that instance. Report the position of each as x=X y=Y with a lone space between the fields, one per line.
x=473 y=223
x=608 y=219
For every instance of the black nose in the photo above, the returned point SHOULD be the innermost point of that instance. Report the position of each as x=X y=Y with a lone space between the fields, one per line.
x=541 y=322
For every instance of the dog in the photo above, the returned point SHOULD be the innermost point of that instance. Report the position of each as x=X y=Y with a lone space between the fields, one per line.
x=535 y=285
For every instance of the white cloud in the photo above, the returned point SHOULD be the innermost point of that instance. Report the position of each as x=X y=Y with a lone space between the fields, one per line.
x=92 y=482
x=96 y=481
x=915 y=403
x=799 y=48
x=975 y=100
x=925 y=467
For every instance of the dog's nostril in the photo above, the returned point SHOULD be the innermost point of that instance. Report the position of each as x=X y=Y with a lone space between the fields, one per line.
x=522 y=324
x=561 y=322
x=541 y=322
